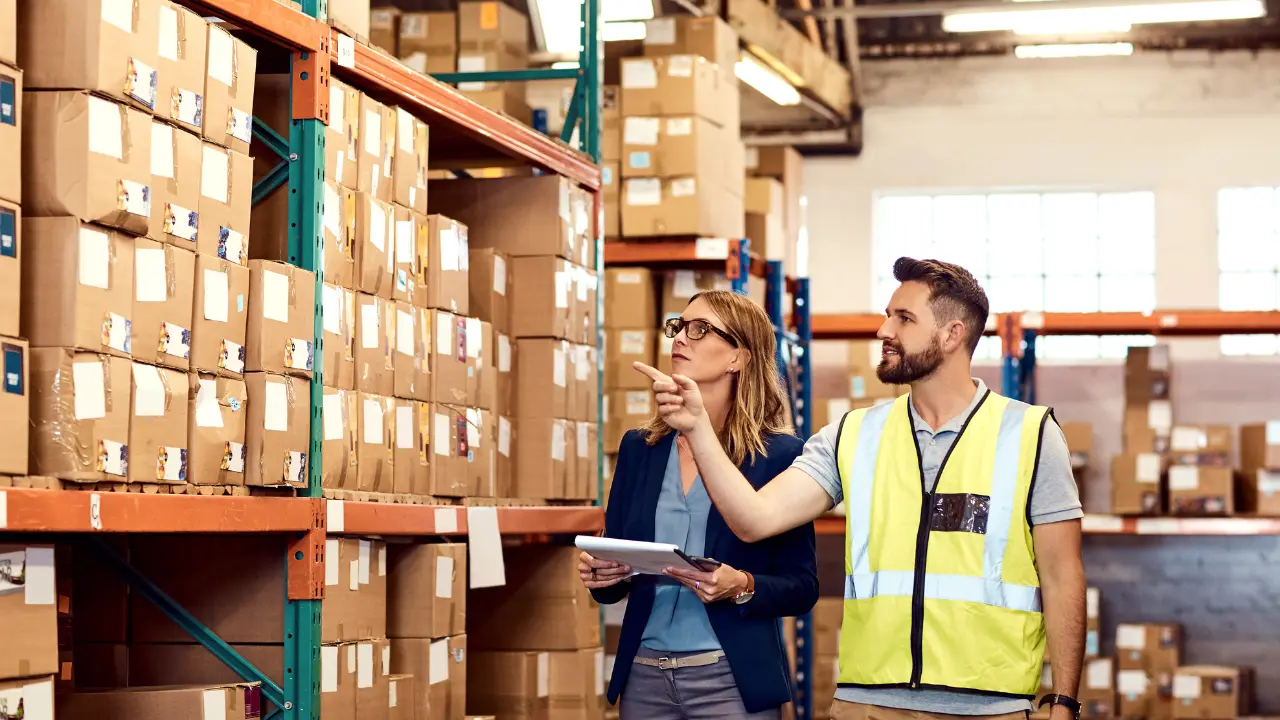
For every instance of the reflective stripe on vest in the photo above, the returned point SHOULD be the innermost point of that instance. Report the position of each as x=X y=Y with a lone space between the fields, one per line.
x=900 y=583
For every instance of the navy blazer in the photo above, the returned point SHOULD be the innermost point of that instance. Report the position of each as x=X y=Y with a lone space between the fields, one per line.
x=785 y=568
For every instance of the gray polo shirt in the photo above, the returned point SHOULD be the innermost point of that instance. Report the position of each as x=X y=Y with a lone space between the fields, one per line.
x=1054 y=498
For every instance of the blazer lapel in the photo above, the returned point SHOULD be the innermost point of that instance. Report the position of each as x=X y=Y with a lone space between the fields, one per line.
x=658 y=456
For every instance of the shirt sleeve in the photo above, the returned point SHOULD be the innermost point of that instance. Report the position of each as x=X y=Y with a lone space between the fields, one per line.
x=1055 y=496
x=818 y=461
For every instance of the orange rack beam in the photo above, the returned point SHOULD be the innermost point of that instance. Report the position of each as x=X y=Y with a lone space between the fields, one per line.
x=462 y=131
x=675 y=252
x=1116 y=525
x=274 y=20
x=1169 y=323
x=82 y=511
x=365 y=518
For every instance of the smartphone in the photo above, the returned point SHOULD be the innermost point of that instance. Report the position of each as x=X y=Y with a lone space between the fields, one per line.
x=702 y=563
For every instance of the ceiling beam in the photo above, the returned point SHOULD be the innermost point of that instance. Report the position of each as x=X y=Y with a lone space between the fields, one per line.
x=810 y=24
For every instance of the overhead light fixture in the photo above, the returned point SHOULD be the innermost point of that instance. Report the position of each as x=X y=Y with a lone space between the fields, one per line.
x=1070 y=50
x=1099 y=18
x=767 y=82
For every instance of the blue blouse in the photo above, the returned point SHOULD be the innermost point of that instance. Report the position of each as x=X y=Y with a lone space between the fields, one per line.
x=678 y=622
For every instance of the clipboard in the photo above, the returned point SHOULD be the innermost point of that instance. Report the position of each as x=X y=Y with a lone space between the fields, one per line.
x=644 y=558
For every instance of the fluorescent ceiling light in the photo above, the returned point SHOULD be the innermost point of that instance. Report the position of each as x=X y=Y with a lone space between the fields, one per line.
x=765 y=80
x=614 y=31
x=1105 y=17
x=1076 y=25
x=1073 y=50
x=558 y=23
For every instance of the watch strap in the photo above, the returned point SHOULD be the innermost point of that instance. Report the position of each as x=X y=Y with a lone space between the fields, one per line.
x=1066 y=701
x=751 y=581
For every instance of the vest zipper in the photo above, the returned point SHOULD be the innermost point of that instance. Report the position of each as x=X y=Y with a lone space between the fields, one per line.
x=917 y=592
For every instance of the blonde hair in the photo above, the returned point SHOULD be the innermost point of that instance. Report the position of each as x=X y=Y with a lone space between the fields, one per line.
x=758 y=407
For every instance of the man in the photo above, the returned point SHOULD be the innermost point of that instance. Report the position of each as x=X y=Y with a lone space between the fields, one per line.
x=963 y=532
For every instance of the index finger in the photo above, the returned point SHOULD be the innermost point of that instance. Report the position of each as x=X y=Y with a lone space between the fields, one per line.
x=653 y=373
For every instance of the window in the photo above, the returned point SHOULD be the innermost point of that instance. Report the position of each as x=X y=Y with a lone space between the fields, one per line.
x=559 y=22
x=1248 y=261
x=1056 y=252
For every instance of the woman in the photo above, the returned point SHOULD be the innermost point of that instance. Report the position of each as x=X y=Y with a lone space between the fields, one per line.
x=700 y=644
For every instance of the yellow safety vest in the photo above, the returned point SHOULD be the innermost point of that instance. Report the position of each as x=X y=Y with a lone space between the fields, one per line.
x=941 y=589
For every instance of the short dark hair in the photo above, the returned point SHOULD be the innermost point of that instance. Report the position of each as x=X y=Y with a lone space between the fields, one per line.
x=954 y=293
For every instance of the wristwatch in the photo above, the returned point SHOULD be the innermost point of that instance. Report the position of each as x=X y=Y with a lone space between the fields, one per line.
x=1065 y=701
x=746 y=595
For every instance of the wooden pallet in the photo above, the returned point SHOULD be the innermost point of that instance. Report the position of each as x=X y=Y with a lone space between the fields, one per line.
x=48 y=483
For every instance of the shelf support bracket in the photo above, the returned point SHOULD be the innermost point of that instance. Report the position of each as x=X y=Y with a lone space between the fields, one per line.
x=268 y=184
x=271 y=139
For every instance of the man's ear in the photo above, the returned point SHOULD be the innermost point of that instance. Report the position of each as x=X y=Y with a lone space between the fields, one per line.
x=957 y=334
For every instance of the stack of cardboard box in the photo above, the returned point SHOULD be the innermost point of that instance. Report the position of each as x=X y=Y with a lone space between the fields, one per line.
x=1201 y=472
x=535 y=643
x=1136 y=487
x=233 y=701
x=29 y=601
x=428 y=41
x=680 y=126
x=426 y=621
x=775 y=204
x=14 y=399
x=1211 y=691
x=631 y=335
x=1147 y=656
x=494 y=36
x=1260 y=468
x=538 y=229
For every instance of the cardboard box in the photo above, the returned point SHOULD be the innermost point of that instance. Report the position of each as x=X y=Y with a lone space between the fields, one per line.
x=677 y=146
x=175 y=186
x=584 y=291
x=11 y=256
x=341 y=151
x=32 y=695
x=278 y=430
x=695 y=205
x=540 y=297
x=82 y=169
x=1135 y=484
x=163 y=281
x=220 y=318
x=355 y=600
x=412 y=463
x=504 y=461
x=426 y=581
x=509 y=684
x=444 y=260
x=542 y=606
x=575 y=684
x=504 y=101
x=384 y=26
x=180 y=67
x=9 y=32
x=785 y=164
x=444 y=60
x=410 y=162
x=1260 y=486
x=482 y=447
x=375 y=347
x=611 y=123
x=340 y=466
x=1204 y=445
x=708 y=37
x=491 y=60
x=231 y=68
x=582 y=384
x=84 y=396
x=15 y=406
x=1205 y=691
x=542 y=379
x=1147 y=374
x=29 y=619
x=404 y=255
x=239 y=701
x=281 y=319
x=158 y=425
x=377 y=138
x=108 y=49
x=585 y=473
x=492 y=25
x=11 y=133
x=625 y=410
x=630 y=299
x=541 y=447
x=482 y=366
x=429 y=33
x=431 y=663
x=351 y=17
x=679 y=85
x=489 y=283
x=339 y=308
x=449 y=358
x=412 y=374
x=621 y=349
x=1147 y=426
x=1152 y=647
x=520 y=216
x=679 y=287
x=447 y=476
x=226 y=193
x=339 y=235
x=401 y=692
x=338 y=690
x=505 y=399
x=1098 y=689
x=376 y=450
x=216 y=415
x=1201 y=490
x=93 y=268
x=374 y=251
x=611 y=180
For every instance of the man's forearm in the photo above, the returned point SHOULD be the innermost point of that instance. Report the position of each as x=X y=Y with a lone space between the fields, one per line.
x=742 y=508
x=1064 y=608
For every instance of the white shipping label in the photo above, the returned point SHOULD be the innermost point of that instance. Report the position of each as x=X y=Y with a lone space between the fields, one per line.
x=231 y=356
x=639 y=73
x=373 y=134
x=680 y=66
x=150 y=279
x=557 y=440
x=404 y=427
x=641 y=130
x=644 y=191
x=391 y=695
x=582 y=440
x=162 y=148
x=404 y=130
x=377 y=225
x=370 y=325
x=474 y=339
x=1186 y=439
x=235 y=457
x=473 y=427
x=331 y=306
x=364 y=665
x=95 y=258
x=580 y=284
x=1148 y=468
x=275 y=296
x=680 y=126
x=222 y=56
x=364 y=559
x=471 y=64
x=119 y=13
x=684 y=187
x=499 y=275
x=404 y=332
x=1186 y=687
x=140 y=83
x=444 y=333
x=337 y=110
x=558 y=367
x=441 y=434
x=406 y=249
x=599 y=672
x=40 y=586
x=215 y=704
x=216 y=295
x=660 y=31
x=1091 y=598
x=149 y=395
x=544 y=675
x=444 y=577
x=504 y=437
x=1273 y=432
x=215 y=173
x=90 y=390
x=628 y=278
x=1184 y=477
x=684 y=284
x=276 y=409
x=504 y=354
x=329 y=668
x=332 y=209
x=372 y=422
x=333 y=421
x=346 y=51
x=106 y=128
x=1131 y=637
x=1128 y=682
x=1268 y=482
x=438 y=662
x=446 y=521
x=638 y=403
x=208 y=409
x=632 y=342
x=449 y=249
x=1158 y=358
x=1160 y=415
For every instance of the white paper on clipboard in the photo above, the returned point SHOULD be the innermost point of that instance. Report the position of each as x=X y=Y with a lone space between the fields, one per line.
x=644 y=558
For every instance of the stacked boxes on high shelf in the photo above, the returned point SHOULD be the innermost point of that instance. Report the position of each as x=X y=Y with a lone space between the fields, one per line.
x=535 y=642
x=630 y=336
x=14 y=397
x=1136 y=487
x=774 y=204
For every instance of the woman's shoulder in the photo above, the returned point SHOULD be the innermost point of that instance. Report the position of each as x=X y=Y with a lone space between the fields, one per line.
x=785 y=445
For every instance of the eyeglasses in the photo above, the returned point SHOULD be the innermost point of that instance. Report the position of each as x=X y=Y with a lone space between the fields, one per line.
x=695 y=330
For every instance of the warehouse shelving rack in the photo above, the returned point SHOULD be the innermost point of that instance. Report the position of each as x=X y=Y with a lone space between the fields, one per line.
x=464 y=134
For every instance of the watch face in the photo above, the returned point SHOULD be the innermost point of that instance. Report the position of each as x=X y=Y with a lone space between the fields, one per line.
x=744 y=597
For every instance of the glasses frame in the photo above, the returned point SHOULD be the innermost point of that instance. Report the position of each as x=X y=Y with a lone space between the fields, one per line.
x=672 y=327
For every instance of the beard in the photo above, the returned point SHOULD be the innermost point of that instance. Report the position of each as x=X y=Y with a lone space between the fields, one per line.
x=910 y=367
